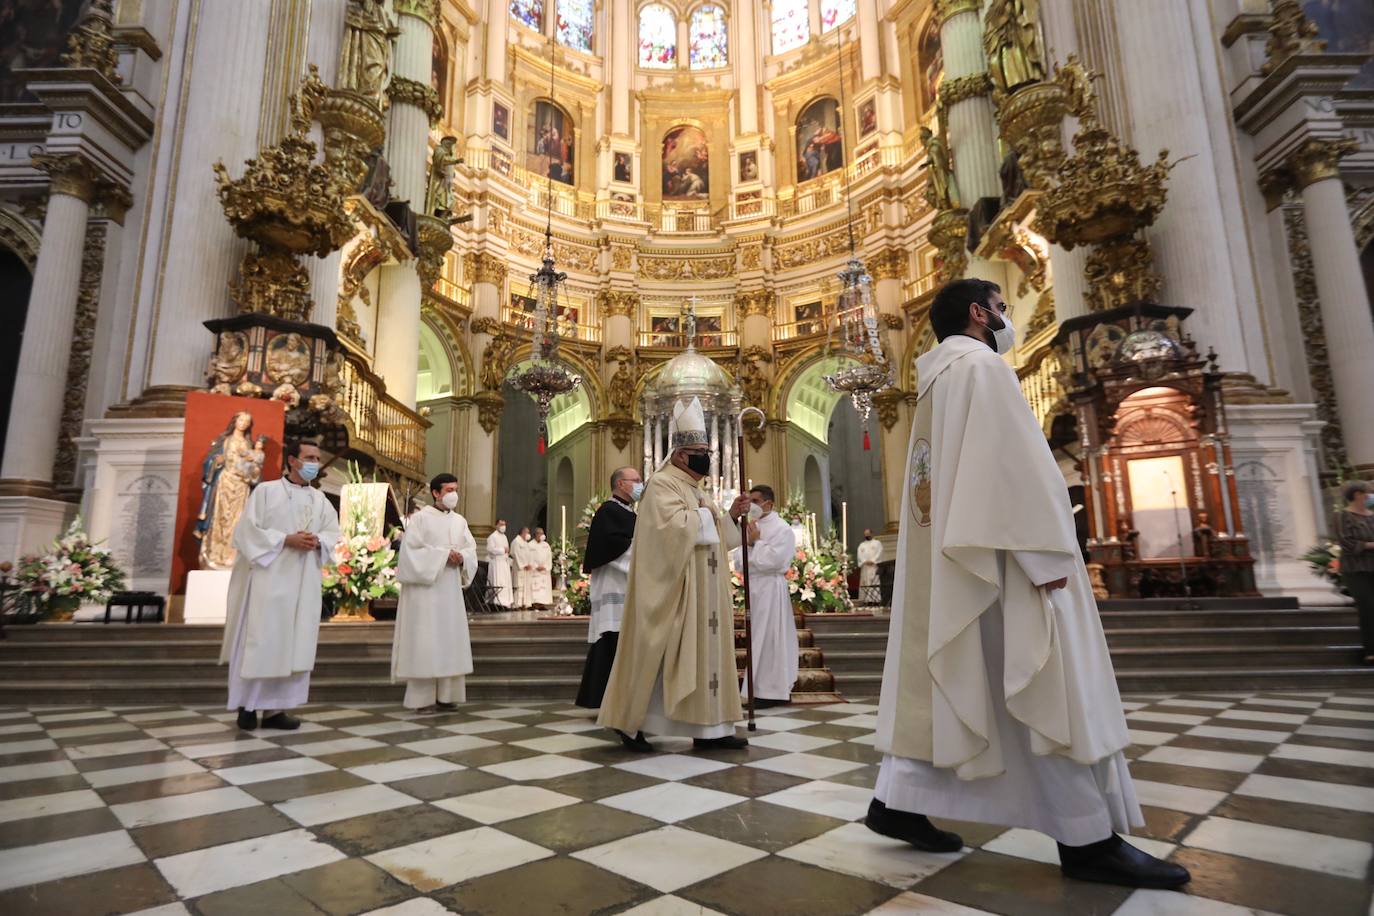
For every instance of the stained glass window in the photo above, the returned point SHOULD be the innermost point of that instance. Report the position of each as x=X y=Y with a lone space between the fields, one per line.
x=657 y=37
x=710 y=45
x=575 y=24
x=834 y=12
x=791 y=24
x=528 y=13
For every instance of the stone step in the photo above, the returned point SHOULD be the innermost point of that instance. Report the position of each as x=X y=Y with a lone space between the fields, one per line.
x=1221 y=658
x=1238 y=636
x=869 y=684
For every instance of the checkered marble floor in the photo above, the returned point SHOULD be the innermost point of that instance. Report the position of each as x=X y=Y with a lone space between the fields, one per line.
x=529 y=809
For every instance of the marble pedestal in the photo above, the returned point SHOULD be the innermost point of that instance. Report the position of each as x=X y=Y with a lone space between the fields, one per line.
x=28 y=524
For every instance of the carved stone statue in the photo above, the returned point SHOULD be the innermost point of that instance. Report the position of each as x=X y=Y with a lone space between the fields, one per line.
x=365 y=61
x=1011 y=40
x=232 y=467
x=940 y=191
x=439 y=196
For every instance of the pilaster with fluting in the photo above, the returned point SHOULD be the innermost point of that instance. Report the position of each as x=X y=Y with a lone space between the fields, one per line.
x=622 y=76
x=497 y=22
x=39 y=381
x=870 y=50
x=746 y=67
x=1344 y=300
x=971 y=124
x=1066 y=267
x=194 y=251
x=322 y=49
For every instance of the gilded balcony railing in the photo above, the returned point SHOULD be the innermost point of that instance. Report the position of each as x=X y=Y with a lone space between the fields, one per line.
x=810 y=326
x=383 y=428
x=568 y=328
x=1040 y=383
x=674 y=340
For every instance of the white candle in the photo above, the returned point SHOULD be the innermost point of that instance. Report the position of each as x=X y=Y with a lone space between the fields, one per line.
x=844 y=527
x=751 y=483
x=565 y=527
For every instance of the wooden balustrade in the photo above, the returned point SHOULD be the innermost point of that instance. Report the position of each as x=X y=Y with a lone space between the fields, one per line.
x=1040 y=384
x=523 y=322
x=383 y=428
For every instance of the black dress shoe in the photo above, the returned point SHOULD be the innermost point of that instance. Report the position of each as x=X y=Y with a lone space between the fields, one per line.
x=908 y=827
x=247 y=720
x=762 y=703
x=430 y=710
x=726 y=743
x=282 y=721
x=1114 y=861
x=639 y=744
x=447 y=707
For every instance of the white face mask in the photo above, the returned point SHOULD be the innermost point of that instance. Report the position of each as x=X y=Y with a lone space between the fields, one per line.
x=636 y=492
x=755 y=512
x=449 y=499
x=501 y=528
x=1005 y=336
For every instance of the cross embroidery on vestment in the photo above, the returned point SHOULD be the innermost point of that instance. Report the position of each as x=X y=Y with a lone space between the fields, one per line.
x=715 y=623
x=711 y=561
x=715 y=683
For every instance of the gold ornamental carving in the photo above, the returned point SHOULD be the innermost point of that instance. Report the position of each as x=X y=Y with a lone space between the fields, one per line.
x=1290 y=33
x=112 y=202
x=1104 y=197
x=945 y=10
x=428 y=10
x=435 y=243
x=615 y=302
x=949 y=235
x=531 y=244
x=667 y=268
x=489 y=406
x=755 y=302
x=892 y=322
x=755 y=382
x=496 y=359
x=888 y=264
x=621 y=386
x=812 y=249
x=484 y=267
x=622 y=257
x=79 y=366
x=90 y=46
x=289 y=206
x=421 y=95
x=888 y=403
x=353 y=127
x=1318 y=160
x=962 y=88
x=1030 y=122
x=751 y=257
x=484 y=325
x=1011 y=42
x=68 y=174
x=623 y=430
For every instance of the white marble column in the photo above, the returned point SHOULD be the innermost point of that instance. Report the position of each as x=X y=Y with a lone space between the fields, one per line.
x=870 y=54
x=498 y=21
x=40 y=380
x=322 y=50
x=744 y=48
x=407 y=132
x=972 y=127
x=398 y=343
x=1066 y=267
x=1344 y=299
x=1199 y=241
x=194 y=250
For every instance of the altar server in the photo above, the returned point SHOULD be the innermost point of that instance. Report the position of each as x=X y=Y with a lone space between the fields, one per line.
x=498 y=567
x=520 y=556
x=541 y=576
x=607 y=563
x=772 y=547
x=869 y=553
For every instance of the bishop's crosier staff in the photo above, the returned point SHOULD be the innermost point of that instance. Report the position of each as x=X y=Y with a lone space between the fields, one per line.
x=744 y=561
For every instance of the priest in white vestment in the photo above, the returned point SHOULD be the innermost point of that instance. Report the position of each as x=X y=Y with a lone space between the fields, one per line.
x=999 y=703
x=541 y=577
x=498 y=567
x=285 y=535
x=869 y=553
x=520 y=557
x=773 y=626
x=674 y=671
x=431 y=650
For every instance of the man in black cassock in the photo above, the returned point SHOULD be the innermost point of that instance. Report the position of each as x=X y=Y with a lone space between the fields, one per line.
x=607 y=562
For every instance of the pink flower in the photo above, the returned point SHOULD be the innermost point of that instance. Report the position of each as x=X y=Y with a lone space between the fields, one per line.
x=376 y=543
x=342 y=551
x=345 y=569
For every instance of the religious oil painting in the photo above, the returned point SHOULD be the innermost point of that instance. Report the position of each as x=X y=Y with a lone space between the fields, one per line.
x=551 y=147
x=819 y=146
x=1348 y=28
x=622 y=167
x=665 y=331
x=500 y=121
x=686 y=164
x=930 y=63
x=868 y=117
x=33 y=33
x=709 y=328
x=749 y=166
x=808 y=318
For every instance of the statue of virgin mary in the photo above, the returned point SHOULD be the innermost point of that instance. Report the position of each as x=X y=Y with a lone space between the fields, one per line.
x=232 y=467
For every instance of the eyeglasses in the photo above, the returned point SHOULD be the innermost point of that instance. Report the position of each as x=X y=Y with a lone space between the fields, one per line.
x=1002 y=308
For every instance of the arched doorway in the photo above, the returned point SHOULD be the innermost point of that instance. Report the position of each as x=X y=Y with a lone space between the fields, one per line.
x=524 y=496
x=15 y=284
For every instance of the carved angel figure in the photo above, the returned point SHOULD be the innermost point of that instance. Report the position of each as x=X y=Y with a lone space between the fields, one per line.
x=365 y=61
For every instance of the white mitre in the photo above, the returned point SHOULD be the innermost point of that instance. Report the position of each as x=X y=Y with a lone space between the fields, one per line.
x=688 y=425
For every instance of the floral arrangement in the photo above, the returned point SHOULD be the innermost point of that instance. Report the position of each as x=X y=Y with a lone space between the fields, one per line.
x=795 y=511
x=1325 y=561
x=364 y=566
x=73 y=571
x=817 y=579
x=577 y=587
x=585 y=522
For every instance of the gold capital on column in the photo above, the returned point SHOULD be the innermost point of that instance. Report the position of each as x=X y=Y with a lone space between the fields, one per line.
x=1274 y=185
x=1318 y=160
x=484 y=267
x=70 y=174
x=757 y=302
x=413 y=92
x=618 y=302
x=946 y=10
x=428 y=10
x=113 y=201
x=888 y=264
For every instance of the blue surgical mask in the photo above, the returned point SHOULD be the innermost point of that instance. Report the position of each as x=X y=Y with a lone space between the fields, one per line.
x=636 y=491
x=309 y=470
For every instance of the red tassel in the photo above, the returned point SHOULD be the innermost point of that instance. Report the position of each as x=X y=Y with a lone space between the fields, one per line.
x=541 y=445
x=867 y=447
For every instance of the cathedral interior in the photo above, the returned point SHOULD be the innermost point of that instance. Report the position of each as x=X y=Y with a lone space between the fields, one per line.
x=499 y=238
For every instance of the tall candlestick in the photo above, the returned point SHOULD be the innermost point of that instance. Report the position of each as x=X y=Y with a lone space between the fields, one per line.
x=844 y=527
x=565 y=527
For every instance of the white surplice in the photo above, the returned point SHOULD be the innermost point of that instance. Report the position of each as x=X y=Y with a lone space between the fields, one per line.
x=273 y=612
x=498 y=569
x=773 y=626
x=520 y=554
x=541 y=577
x=868 y=554
x=607 y=588
x=431 y=638
x=998 y=702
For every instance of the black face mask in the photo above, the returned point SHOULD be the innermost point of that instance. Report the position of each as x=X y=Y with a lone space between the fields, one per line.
x=699 y=463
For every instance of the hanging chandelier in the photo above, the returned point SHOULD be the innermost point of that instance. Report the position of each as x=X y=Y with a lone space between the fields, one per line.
x=867 y=370
x=544 y=378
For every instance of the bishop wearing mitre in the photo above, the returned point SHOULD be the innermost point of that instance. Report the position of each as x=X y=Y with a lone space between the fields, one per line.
x=430 y=649
x=498 y=566
x=284 y=537
x=674 y=671
x=999 y=703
